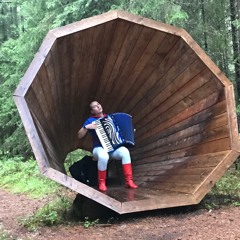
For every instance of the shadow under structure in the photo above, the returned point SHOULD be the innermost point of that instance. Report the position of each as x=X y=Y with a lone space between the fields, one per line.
x=182 y=105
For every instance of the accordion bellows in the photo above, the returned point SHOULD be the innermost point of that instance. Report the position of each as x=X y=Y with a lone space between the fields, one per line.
x=115 y=130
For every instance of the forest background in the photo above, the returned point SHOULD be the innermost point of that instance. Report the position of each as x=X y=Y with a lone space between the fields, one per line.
x=215 y=26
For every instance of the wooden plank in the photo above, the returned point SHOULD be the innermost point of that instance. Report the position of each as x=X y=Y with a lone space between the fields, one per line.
x=177 y=187
x=201 y=121
x=124 y=53
x=84 y=189
x=205 y=160
x=164 y=98
x=194 y=171
x=150 y=23
x=205 y=115
x=84 y=24
x=76 y=76
x=43 y=89
x=91 y=46
x=159 y=93
x=32 y=133
x=90 y=87
x=215 y=175
x=50 y=88
x=133 y=57
x=143 y=68
x=54 y=73
x=123 y=200
x=40 y=109
x=148 y=74
x=34 y=105
x=63 y=85
x=153 y=181
x=115 y=47
x=197 y=171
x=79 y=52
x=212 y=146
x=176 y=158
x=165 y=121
x=34 y=66
x=207 y=133
x=155 y=199
x=206 y=59
x=232 y=118
x=149 y=159
x=142 y=199
x=188 y=179
x=160 y=64
x=177 y=103
x=55 y=156
x=191 y=146
x=105 y=47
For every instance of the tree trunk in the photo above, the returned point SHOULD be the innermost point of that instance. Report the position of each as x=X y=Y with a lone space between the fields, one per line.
x=234 y=7
x=3 y=27
x=204 y=25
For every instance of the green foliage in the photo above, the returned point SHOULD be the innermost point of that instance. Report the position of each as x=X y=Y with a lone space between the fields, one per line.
x=160 y=10
x=54 y=213
x=33 y=20
x=4 y=234
x=74 y=156
x=65 y=12
x=229 y=184
x=208 y=24
x=8 y=20
x=26 y=22
x=236 y=23
x=238 y=108
x=225 y=192
x=15 y=55
x=88 y=223
x=24 y=177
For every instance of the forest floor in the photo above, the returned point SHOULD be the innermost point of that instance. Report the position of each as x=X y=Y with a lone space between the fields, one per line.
x=175 y=224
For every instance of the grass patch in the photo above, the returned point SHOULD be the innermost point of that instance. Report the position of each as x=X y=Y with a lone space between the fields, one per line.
x=56 y=212
x=53 y=213
x=20 y=176
x=4 y=235
x=226 y=192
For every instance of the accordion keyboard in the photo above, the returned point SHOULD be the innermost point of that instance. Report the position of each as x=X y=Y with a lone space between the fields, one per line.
x=103 y=137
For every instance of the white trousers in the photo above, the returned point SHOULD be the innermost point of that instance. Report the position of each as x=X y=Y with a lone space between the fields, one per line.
x=102 y=156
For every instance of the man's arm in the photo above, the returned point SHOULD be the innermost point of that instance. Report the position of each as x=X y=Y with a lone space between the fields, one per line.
x=82 y=132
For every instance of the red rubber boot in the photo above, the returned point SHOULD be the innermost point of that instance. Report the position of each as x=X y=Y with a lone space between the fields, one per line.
x=127 y=171
x=102 y=180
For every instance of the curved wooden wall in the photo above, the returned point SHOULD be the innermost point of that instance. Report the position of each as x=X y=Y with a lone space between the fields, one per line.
x=182 y=106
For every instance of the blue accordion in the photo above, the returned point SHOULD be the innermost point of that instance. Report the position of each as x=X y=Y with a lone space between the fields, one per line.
x=115 y=130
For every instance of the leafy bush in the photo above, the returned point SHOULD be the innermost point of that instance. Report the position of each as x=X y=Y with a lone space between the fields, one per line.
x=4 y=235
x=54 y=213
x=24 y=177
x=225 y=192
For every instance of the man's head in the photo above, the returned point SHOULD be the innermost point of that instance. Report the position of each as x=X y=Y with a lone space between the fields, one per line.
x=96 y=108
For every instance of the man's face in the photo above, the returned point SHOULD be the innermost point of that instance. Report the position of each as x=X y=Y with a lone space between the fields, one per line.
x=96 y=108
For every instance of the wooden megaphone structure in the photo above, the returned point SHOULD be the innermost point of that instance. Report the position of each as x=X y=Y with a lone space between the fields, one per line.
x=182 y=107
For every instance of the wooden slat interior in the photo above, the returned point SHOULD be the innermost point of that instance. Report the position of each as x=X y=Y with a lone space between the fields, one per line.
x=177 y=103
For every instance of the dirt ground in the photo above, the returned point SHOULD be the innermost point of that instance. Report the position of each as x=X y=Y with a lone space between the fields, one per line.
x=174 y=224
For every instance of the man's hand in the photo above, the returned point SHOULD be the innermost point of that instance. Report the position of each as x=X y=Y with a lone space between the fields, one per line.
x=83 y=131
x=91 y=126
